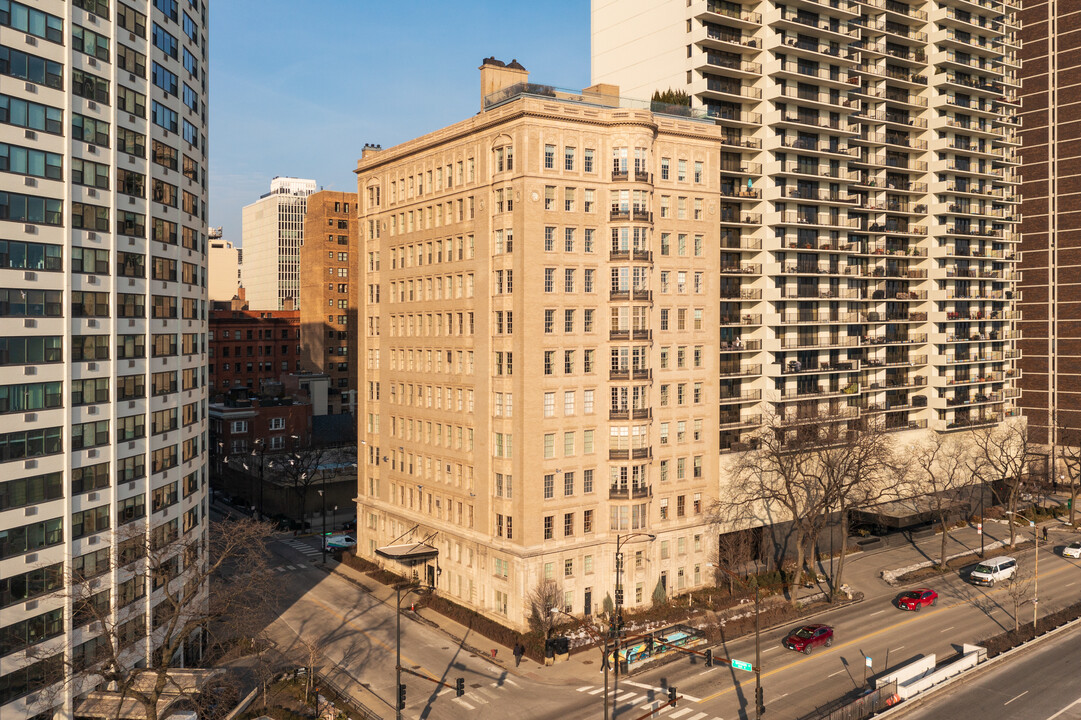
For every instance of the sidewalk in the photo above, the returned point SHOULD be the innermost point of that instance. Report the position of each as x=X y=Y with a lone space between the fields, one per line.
x=862 y=573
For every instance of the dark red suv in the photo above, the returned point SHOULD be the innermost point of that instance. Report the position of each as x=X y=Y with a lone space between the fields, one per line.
x=804 y=639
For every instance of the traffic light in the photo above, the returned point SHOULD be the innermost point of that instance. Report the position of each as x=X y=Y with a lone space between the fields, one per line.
x=760 y=700
x=672 y=696
x=459 y=687
x=709 y=657
x=401 y=696
x=649 y=645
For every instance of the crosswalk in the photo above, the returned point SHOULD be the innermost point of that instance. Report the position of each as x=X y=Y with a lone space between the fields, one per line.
x=302 y=547
x=475 y=697
x=290 y=568
x=651 y=699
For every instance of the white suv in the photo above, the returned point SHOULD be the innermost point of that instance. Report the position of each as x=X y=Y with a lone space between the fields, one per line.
x=991 y=571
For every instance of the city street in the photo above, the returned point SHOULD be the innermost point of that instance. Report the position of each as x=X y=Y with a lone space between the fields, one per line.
x=1041 y=684
x=356 y=634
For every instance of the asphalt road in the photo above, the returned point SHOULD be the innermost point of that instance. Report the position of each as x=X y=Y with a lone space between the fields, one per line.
x=356 y=635
x=796 y=684
x=1039 y=685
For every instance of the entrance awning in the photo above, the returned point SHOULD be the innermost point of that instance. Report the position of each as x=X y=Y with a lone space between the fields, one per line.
x=409 y=553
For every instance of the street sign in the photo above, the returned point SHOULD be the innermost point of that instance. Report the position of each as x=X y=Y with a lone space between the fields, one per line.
x=979 y=528
x=740 y=665
x=868 y=659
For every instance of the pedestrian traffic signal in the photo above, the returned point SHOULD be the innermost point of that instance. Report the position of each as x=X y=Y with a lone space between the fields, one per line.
x=401 y=696
x=459 y=687
x=760 y=700
x=709 y=657
x=672 y=696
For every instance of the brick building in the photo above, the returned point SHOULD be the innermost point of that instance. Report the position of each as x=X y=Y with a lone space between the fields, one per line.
x=240 y=422
x=249 y=348
x=1051 y=226
x=328 y=292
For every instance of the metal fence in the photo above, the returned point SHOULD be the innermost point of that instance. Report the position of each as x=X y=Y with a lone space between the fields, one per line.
x=864 y=706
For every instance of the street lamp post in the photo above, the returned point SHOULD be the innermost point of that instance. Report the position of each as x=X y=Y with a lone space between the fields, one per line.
x=323 y=495
x=620 y=541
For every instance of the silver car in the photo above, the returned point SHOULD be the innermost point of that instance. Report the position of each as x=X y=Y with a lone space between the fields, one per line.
x=1073 y=550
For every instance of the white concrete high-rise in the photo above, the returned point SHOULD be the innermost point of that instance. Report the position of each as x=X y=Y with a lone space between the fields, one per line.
x=272 y=233
x=103 y=321
x=870 y=193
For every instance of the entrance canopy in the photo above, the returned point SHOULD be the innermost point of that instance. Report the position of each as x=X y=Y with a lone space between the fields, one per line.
x=409 y=553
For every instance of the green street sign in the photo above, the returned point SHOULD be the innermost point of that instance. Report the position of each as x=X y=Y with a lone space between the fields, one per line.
x=740 y=665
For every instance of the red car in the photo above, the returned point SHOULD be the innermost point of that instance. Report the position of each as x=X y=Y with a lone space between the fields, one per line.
x=804 y=639
x=916 y=599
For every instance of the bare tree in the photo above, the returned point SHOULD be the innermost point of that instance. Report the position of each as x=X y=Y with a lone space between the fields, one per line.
x=311 y=655
x=207 y=591
x=734 y=551
x=855 y=461
x=1071 y=460
x=1018 y=587
x=299 y=471
x=774 y=482
x=944 y=463
x=543 y=599
x=1002 y=453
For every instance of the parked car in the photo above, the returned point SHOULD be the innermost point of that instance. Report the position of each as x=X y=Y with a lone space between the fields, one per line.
x=994 y=570
x=340 y=542
x=808 y=636
x=1073 y=550
x=916 y=599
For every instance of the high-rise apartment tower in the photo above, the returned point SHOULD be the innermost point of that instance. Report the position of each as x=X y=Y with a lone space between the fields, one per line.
x=871 y=154
x=103 y=158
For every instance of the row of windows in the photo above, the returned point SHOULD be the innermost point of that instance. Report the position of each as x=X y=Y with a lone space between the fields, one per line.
x=420 y=254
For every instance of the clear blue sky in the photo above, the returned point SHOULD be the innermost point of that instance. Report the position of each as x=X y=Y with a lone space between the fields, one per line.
x=297 y=88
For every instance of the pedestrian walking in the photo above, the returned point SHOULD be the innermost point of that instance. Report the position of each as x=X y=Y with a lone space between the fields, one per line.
x=1044 y=533
x=519 y=651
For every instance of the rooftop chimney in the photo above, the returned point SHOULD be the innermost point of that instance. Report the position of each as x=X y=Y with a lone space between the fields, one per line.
x=496 y=75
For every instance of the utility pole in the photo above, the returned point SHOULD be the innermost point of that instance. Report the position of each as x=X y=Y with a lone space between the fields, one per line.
x=398 y=649
x=1036 y=582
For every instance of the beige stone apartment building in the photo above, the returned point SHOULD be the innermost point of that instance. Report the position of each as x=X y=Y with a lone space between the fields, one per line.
x=540 y=363
x=329 y=287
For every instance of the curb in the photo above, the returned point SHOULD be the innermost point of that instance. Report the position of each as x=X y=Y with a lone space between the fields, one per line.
x=960 y=679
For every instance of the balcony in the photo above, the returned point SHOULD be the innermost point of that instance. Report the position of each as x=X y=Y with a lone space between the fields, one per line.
x=742 y=269
x=831 y=100
x=630 y=414
x=743 y=320
x=819 y=147
x=630 y=374
x=836 y=31
x=628 y=254
x=630 y=454
x=632 y=176
x=740 y=345
x=631 y=295
x=799 y=343
x=639 y=334
x=635 y=492
x=636 y=215
x=820 y=195
x=845 y=52
x=735 y=421
x=739 y=370
x=795 y=367
x=734 y=218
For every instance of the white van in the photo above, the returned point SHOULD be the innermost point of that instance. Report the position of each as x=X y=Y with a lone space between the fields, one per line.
x=991 y=571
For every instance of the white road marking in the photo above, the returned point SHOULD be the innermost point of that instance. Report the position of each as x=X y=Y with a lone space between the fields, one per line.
x=598 y=690
x=781 y=696
x=946 y=629
x=772 y=647
x=706 y=671
x=681 y=713
x=584 y=688
x=464 y=704
x=280 y=569
x=1075 y=702
x=638 y=685
x=290 y=567
x=836 y=673
x=1015 y=698
x=899 y=647
x=626 y=696
x=699 y=716
x=1069 y=584
x=877 y=613
x=508 y=680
